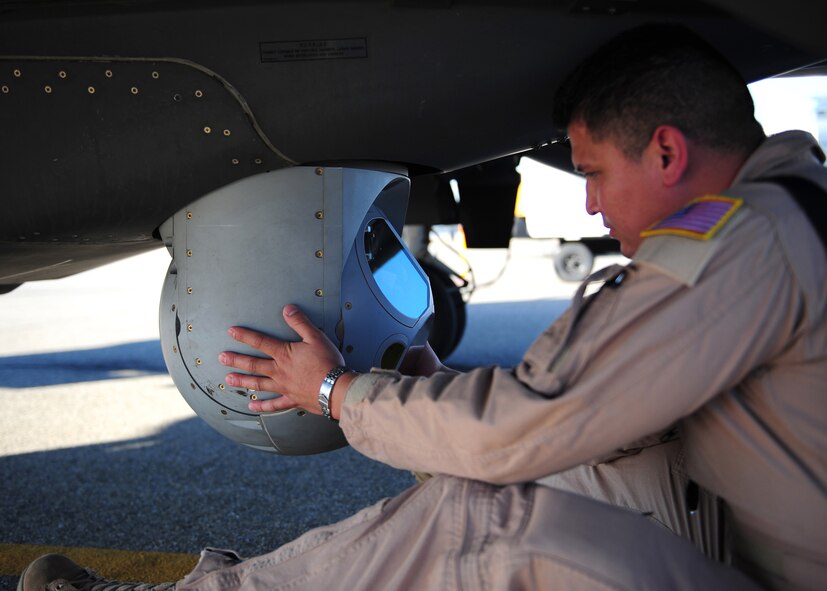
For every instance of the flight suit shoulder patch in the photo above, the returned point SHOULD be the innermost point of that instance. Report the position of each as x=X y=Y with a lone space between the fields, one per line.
x=700 y=219
x=667 y=248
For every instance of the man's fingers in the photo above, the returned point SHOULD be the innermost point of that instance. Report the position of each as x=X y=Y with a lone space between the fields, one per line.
x=299 y=322
x=271 y=405
x=258 y=383
x=255 y=339
x=246 y=363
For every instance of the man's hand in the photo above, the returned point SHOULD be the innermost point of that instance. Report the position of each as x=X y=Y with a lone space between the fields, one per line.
x=420 y=360
x=293 y=369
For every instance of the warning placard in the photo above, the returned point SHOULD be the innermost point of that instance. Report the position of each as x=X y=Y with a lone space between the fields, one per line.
x=316 y=49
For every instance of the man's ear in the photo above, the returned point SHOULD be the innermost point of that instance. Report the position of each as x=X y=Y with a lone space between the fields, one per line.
x=669 y=150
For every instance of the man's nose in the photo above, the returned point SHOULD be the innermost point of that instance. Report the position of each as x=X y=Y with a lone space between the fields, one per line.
x=591 y=202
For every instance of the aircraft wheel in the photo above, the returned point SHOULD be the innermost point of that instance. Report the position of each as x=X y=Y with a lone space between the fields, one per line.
x=449 y=311
x=574 y=262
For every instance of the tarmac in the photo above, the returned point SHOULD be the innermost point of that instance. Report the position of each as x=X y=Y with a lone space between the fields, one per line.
x=101 y=458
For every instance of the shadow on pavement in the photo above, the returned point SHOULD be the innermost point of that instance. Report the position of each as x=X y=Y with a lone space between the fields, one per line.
x=82 y=365
x=180 y=490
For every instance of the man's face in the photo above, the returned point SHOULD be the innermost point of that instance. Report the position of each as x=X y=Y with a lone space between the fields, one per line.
x=628 y=193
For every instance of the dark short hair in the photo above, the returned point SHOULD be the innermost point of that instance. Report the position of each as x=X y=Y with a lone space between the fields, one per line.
x=659 y=75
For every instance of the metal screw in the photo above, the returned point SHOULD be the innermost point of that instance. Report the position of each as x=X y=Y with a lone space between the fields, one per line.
x=48 y=89
x=257 y=160
x=227 y=132
x=189 y=290
x=320 y=292
x=199 y=94
x=155 y=75
x=220 y=386
x=189 y=253
x=5 y=89
x=207 y=130
x=91 y=90
x=62 y=74
x=319 y=215
x=189 y=215
x=253 y=397
x=348 y=306
x=175 y=348
x=235 y=160
x=177 y=97
x=108 y=73
x=134 y=90
x=319 y=254
x=320 y=171
x=189 y=327
x=17 y=73
x=198 y=361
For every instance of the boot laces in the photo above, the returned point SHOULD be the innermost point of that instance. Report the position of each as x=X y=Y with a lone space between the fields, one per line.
x=91 y=581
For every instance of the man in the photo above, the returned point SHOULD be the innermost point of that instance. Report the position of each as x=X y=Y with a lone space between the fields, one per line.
x=717 y=326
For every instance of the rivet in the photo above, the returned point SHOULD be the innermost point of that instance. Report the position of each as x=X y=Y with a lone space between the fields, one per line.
x=175 y=348
x=319 y=254
x=320 y=171
x=227 y=132
x=189 y=290
x=257 y=160
x=189 y=327
x=177 y=98
x=5 y=89
x=197 y=361
x=319 y=215
x=134 y=90
x=108 y=73
x=62 y=74
x=253 y=397
x=91 y=90
x=48 y=89
x=199 y=94
x=220 y=386
x=207 y=130
x=320 y=292
x=17 y=73
x=235 y=160
x=348 y=306
x=189 y=215
x=155 y=75
x=189 y=253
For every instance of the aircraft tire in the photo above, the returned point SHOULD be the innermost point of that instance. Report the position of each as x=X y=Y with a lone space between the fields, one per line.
x=574 y=262
x=449 y=311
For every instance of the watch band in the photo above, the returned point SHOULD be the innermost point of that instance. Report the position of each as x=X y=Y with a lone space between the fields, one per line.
x=327 y=387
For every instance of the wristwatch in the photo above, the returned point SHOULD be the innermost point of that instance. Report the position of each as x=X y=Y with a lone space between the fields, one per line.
x=327 y=387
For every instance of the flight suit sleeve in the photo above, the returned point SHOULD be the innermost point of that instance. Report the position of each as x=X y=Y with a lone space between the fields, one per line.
x=648 y=349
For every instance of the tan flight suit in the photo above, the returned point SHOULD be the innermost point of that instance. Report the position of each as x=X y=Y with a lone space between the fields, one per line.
x=725 y=338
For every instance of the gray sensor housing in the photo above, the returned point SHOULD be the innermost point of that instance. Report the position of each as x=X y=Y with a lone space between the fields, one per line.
x=327 y=239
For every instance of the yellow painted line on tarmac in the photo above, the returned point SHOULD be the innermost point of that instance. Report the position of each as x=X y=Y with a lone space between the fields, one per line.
x=120 y=565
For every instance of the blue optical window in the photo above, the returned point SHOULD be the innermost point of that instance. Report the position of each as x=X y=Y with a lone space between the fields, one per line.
x=393 y=270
